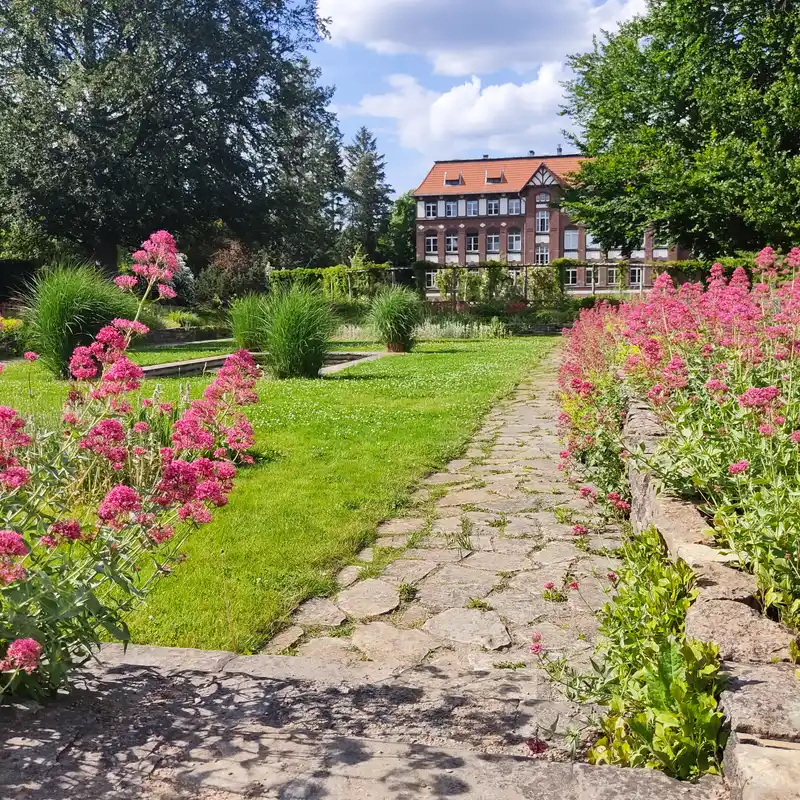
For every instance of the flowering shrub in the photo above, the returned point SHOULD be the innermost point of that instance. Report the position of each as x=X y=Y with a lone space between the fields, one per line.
x=721 y=367
x=11 y=333
x=93 y=513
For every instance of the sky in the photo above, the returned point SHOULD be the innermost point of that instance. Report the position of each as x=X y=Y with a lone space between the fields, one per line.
x=439 y=79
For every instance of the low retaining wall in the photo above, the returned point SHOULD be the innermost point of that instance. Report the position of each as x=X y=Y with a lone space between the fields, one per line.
x=185 y=335
x=762 y=698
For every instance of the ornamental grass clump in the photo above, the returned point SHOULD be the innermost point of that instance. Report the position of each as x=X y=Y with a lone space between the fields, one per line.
x=393 y=315
x=93 y=514
x=65 y=305
x=248 y=315
x=719 y=364
x=298 y=328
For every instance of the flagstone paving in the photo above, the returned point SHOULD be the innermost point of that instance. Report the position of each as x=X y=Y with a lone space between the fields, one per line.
x=416 y=681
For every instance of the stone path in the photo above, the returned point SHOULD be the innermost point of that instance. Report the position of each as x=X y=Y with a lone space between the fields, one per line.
x=415 y=681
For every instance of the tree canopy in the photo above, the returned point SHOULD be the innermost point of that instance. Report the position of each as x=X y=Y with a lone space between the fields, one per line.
x=398 y=243
x=366 y=196
x=118 y=117
x=691 y=114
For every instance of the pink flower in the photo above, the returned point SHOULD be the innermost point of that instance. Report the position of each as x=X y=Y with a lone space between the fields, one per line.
x=536 y=648
x=580 y=530
x=12 y=544
x=766 y=430
x=31 y=356
x=537 y=637
x=756 y=397
x=573 y=585
x=110 y=337
x=141 y=427
x=14 y=477
x=612 y=576
x=130 y=325
x=795 y=437
x=119 y=502
x=22 y=654
x=83 y=365
x=536 y=746
x=10 y=572
x=166 y=292
x=126 y=282
x=162 y=534
x=739 y=467
x=66 y=530
x=549 y=585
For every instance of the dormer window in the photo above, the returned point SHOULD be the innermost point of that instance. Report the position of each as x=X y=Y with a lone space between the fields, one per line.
x=450 y=180
x=494 y=175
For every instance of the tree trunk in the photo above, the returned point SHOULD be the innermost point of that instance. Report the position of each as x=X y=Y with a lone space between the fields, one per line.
x=105 y=254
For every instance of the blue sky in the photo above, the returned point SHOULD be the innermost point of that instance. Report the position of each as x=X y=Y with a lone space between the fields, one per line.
x=456 y=78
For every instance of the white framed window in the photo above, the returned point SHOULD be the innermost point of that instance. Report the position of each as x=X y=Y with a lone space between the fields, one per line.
x=514 y=206
x=430 y=210
x=430 y=279
x=611 y=276
x=472 y=208
x=543 y=197
x=451 y=208
x=431 y=244
x=571 y=277
x=590 y=276
x=492 y=242
x=493 y=208
x=571 y=239
x=542 y=255
x=451 y=243
x=472 y=242
x=635 y=277
x=591 y=242
x=514 y=241
x=542 y=222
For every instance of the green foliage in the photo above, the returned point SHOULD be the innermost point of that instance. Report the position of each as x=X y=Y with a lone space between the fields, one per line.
x=299 y=326
x=248 y=316
x=398 y=244
x=109 y=91
x=689 y=115
x=11 y=336
x=183 y=319
x=366 y=196
x=393 y=315
x=338 y=284
x=65 y=305
x=661 y=690
x=232 y=271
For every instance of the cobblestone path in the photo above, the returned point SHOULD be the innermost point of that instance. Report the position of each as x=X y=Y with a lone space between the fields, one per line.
x=416 y=680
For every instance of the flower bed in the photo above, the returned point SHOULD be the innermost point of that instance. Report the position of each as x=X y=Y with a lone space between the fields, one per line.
x=719 y=366
x=95 y=512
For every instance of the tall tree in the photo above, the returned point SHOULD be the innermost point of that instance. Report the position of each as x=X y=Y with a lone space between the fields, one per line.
x=120 y=116
x=301 y=227
x=691 y=116
x=366 y=196
x=398 y=244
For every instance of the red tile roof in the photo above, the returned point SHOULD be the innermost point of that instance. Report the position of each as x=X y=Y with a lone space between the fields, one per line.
x=516 y=173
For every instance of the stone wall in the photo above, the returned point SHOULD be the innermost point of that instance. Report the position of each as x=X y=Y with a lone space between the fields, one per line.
x=762 y=698
x=185 y=335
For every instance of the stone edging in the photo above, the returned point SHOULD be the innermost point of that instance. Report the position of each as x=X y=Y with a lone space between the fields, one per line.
x=762 y=699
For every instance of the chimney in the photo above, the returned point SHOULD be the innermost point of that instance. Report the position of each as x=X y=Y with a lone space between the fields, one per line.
x=486 y=155
x=559 y=150
x=531 y=152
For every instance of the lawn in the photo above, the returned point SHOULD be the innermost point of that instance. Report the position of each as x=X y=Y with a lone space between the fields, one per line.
x=342 y=453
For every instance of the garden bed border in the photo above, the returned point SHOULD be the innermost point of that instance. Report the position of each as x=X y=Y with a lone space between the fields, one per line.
x=762 y=699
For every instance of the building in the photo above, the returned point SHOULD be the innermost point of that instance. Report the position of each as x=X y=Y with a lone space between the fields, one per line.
x=508 y=209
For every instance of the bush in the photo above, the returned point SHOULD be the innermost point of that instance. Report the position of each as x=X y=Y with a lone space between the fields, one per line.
x=393 y=315
x=299 y=325
x=232 y=272
x=11 y=336
x=248 y=317
x=65 y=305
x=183 y=319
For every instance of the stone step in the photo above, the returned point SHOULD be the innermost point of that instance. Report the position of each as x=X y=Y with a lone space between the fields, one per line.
x=163 y=722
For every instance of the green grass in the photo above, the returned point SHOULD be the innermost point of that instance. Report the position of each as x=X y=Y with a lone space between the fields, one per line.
x=341 y=454
x=345 y=453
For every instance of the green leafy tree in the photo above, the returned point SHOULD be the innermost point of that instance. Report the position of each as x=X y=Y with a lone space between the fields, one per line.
x=691 y=116
x=366 y=196
x=398 y=244
x=121 y=116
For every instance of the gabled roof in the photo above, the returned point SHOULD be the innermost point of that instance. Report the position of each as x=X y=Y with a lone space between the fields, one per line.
x=515 y=173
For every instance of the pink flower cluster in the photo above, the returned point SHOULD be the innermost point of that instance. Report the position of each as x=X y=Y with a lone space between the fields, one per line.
x=157 y=261
x=12 y=439
x=23 y=655
x=12 y=547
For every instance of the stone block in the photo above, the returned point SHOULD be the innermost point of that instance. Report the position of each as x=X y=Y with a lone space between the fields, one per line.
x=370 y=598
x=758 y=769
x=469 y=626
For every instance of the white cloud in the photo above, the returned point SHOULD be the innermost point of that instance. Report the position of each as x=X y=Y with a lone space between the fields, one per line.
x=502 y=118
x=465 y=37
